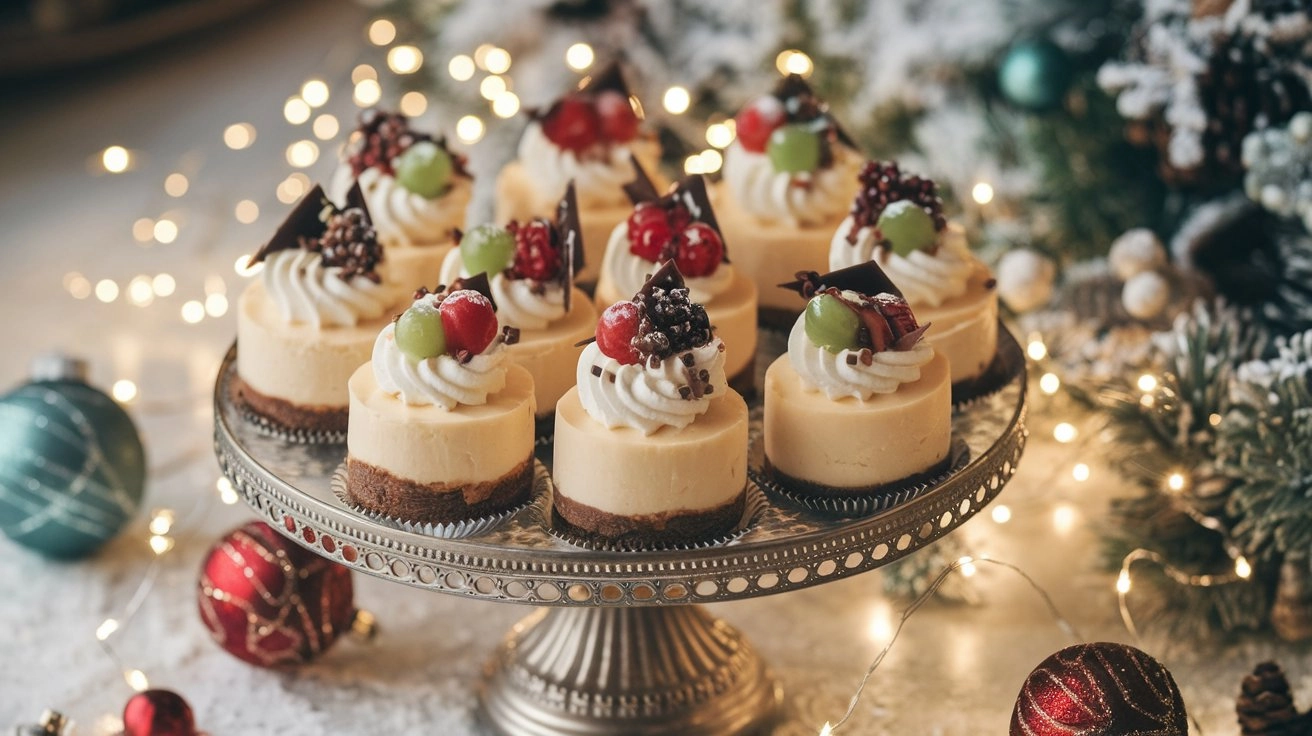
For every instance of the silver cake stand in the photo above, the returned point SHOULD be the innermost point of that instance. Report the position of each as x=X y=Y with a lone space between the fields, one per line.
x=619 y=643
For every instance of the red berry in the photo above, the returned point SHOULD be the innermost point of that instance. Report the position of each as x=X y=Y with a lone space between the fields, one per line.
x=700 y=251
x=469 y=321
x=619 y=123
x=649 y=231
x=897 y=312
x=572 y=123
x=616 y=330
x=535 y=256
x=757 y=121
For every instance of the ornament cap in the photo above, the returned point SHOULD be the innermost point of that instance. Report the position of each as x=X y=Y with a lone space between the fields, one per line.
x=57 y=367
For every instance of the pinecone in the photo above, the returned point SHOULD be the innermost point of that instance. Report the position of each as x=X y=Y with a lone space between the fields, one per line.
x=350 y=243
x=1243 y=89
x=671 y=322
x=382 y=137
x=882 y=184
x=1265 y=706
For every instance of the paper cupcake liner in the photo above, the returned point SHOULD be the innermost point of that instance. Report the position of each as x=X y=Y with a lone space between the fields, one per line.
x=862 y=505
x=449 y=530
x=1006 y=365
x=753 y=506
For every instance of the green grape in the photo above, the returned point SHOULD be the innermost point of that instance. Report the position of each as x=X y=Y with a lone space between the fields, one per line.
x=831 y=324
x=487 y=249
x=794 y=148
x=906 y=227
x=424 y=169
x=419 y=332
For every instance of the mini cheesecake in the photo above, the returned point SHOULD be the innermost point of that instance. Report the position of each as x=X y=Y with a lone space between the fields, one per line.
x=586 y=137
x=651 y=445
x=441 y=424
x=681 y=227
x=860 y=403
x=788 y=178
x=532 y=266
x=897 y=220
x=311 y=318
x=417 y=190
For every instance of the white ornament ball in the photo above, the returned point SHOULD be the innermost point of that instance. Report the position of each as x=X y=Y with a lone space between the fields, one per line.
x=1136 y=251
x=1025 y=279
x=1146 y=294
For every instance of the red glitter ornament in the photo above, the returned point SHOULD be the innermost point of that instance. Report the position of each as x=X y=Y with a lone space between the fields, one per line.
x=1100 y=689
x=270 y=602
x=158 y=713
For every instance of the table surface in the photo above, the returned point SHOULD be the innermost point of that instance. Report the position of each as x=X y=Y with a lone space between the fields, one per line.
x=955 y=670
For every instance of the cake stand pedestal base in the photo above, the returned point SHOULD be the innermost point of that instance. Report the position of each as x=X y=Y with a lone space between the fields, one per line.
x=645 y=671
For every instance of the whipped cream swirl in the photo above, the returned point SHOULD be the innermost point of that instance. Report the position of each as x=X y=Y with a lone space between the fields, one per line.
x=801 y=199
x=440 y=381
x=833 y=375
x=521 y=303
x=644 y=397
x=307 y=292
x=628 y=272
x=924 y=278
x=599 y=175
x=401 y=217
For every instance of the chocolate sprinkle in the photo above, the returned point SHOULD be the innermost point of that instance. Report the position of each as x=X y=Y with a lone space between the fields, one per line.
x=851 y=357
x=509 y=335
x=596 y=371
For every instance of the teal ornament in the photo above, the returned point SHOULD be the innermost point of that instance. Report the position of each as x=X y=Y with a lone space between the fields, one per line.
x=72 y=467
x=1035 y=74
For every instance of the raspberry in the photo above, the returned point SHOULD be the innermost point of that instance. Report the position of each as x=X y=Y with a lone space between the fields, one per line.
x=619 y=123
x=573 y=124
x=649 y=231
x=617 y=328
x=469 y=321
x=700 y=250
x=757 y=121
x=536 y=255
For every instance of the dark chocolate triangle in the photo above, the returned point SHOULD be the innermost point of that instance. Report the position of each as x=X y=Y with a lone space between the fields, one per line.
x=302 y=221
x=570 y=233
x=477 y=282
x=691 y=191
x=355 y=198
x=864 y=278
x=792 y=85
x=610 y=77
x=641 y=189
x=667 y=277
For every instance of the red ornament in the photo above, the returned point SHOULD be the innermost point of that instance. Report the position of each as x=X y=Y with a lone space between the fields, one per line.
x=270 y=602
x=469 y=320
x=158 y=713
x=757 y=121
x=573 y=123
x=619 y=123
x=700 y=251
x=535 y=256
x=616 y=329
x=1100 y=689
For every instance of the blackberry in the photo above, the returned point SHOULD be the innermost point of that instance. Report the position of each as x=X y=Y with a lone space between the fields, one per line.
x=350 y=243
x=382 y=137
x=671 y=322
x=883 y=183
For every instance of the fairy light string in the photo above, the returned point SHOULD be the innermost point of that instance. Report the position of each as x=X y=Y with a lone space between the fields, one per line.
x=959 y=565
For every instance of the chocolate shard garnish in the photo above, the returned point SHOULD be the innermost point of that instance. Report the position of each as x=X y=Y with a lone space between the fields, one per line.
x=864 y=278
x=909 y=340
x=641 y=189
x=611 y=77
x=667 y=277
x=477 y=283
x=691 y=192
x=355 y=198
x=302 y=222
x=570 y=236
